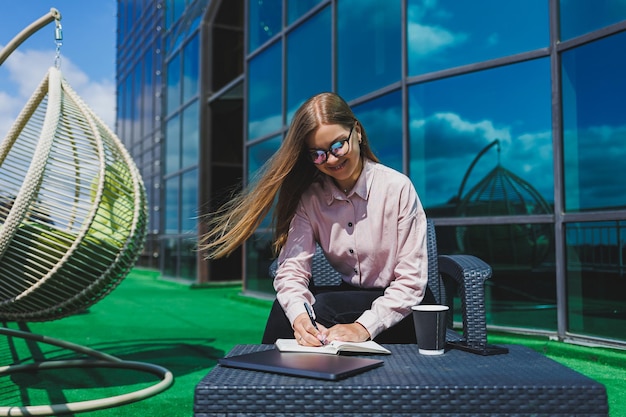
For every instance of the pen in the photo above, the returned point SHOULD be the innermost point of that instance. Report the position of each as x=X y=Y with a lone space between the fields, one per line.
x=309 y=311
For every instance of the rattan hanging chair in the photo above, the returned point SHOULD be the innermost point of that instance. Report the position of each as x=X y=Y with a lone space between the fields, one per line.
x=73 y=211
x=72 y=224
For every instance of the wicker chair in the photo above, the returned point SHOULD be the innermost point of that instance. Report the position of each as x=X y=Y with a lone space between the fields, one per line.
x=446 y=273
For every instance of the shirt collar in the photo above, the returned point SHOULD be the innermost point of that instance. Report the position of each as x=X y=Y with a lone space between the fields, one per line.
x=361 y=187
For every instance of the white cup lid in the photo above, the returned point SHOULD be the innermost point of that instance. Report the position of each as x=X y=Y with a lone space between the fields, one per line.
x=430 y=307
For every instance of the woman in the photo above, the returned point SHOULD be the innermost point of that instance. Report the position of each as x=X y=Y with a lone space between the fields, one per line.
x=366 y=217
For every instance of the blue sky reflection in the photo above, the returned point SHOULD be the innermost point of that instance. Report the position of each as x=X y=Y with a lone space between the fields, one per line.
x=452 y=120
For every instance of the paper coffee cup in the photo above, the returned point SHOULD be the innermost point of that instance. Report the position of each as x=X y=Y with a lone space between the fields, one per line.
x=430 y=328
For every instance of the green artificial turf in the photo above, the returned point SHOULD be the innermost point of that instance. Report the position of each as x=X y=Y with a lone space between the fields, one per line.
x=186 y=330
x=145 y=319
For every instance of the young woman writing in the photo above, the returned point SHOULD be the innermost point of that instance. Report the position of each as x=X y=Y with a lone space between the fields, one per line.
x=366 y=217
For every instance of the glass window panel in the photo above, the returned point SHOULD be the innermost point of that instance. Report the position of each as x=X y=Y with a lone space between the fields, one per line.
x=594 y=128
x=173 y=84
x=191 y=135
x=261 y=153
x=170 y=257
x=191 y=69
x=450 y=33
x=309 y=63
x=522 y=289
x=227 y=44
x=382 y=120
x=265 y=92
x=172 y=208
x=456 y=164
x=258 y=260
x=264 y=19
x=120 y=115
x=189 y=201
x=128 y=110
x=172 y=145
x=595 y=278
x=580 y=17
x=174 y=9
x=188 y=260
x=169 y=8
x=257 y=156
x=296 y=8
x=368 y=46
x=148 y=92
x=227 y=128
x=137 y=108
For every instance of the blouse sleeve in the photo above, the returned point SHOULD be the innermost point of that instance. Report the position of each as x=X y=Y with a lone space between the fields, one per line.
x=410 y=273
x=294 y=269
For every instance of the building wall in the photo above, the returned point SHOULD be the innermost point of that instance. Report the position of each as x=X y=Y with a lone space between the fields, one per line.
x=139 y=77
x=497 y=117
x=507 y=116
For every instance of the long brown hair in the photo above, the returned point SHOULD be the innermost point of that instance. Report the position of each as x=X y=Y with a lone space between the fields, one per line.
x=288 y=173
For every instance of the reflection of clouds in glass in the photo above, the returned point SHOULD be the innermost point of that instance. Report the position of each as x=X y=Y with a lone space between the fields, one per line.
x=484 y=128
x=452 y=143
x=259 y=128
x=456 y=136
x=591 y=176
x=493 y=39
x=529 y=148
x=380 y=120
x=426 y=40
x=260 y=153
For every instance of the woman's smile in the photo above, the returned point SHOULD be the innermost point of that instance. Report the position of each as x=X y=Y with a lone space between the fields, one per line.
x=344 y=169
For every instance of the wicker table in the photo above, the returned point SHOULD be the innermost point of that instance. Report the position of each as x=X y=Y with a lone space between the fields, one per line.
x=520 y=383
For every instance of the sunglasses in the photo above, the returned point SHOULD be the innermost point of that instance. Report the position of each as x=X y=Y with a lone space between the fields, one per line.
x=338 y=149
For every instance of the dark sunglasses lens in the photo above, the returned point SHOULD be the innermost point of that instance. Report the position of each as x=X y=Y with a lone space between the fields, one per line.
x=318 y=157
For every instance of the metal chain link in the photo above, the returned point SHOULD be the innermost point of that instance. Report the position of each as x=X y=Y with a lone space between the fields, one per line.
x=58 y=37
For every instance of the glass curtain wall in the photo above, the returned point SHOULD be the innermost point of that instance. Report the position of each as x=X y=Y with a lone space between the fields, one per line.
x=139 y=104
x=509 y=130
x=181 y=140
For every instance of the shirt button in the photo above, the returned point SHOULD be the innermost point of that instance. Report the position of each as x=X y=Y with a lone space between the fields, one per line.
x=350 y=224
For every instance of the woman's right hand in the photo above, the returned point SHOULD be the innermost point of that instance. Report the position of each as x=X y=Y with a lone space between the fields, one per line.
x=306 y=334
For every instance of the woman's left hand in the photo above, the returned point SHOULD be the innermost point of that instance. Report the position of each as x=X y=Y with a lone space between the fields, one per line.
x=353 y=332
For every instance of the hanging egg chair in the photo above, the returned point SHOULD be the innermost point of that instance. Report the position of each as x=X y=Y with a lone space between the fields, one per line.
x=72 y=211
x=72 y=224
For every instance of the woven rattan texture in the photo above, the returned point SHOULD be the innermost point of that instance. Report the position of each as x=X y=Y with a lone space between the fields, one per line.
x=521 y=383
x=73 y=211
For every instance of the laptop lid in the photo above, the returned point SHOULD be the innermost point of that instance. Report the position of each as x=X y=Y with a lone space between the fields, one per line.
x=311 y=365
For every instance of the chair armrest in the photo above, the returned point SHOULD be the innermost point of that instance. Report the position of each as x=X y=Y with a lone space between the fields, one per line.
x=470 y=274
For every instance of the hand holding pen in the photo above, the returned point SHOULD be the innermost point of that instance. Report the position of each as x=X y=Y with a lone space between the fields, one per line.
x=309 y=311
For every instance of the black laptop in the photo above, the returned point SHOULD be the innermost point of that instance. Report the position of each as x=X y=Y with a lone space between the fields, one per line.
x=310 y=365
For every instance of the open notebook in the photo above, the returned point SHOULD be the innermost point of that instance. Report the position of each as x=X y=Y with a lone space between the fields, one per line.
x=333 y=348
x=328 y=367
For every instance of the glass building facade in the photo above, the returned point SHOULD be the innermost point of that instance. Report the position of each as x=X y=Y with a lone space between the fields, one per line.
x=507 y=116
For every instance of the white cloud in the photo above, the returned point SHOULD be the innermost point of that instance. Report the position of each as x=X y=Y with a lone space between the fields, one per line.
x=26 y=69
x=427 y=40
x=483 y=128
x=455 y=140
